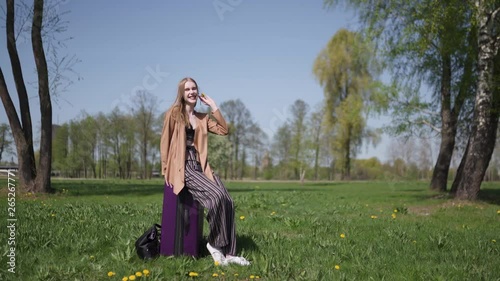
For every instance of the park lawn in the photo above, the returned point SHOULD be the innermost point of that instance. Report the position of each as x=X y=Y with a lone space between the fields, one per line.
x=289 y=231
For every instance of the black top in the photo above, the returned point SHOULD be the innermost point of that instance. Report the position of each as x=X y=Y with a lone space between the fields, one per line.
x=189 y=135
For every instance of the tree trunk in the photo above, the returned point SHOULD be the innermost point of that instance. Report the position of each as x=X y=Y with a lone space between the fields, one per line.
x=448 y=131
x=255 y=168
x=21 y=128
x=460 y=171
x=346 y=173
x=316 y=162
x=486 y=112
x=43 y=175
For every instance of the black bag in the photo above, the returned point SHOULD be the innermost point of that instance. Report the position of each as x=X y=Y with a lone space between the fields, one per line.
x=148 y=245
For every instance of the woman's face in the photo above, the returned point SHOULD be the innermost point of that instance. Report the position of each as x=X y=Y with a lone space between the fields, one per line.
x=190 y=93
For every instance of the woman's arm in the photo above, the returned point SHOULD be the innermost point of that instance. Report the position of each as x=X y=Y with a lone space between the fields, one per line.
x=217 y=126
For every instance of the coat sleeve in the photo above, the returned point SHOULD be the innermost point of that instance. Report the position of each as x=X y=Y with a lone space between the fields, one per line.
x=217 y=126
x=166 y=136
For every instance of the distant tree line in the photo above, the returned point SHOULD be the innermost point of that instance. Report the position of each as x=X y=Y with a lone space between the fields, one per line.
x=444 y=61
x=124 y=143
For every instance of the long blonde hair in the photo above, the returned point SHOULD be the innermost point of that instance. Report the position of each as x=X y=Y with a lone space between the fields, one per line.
x=179 y=106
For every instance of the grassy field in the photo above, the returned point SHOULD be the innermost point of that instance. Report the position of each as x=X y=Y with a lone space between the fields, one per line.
x=315 y=231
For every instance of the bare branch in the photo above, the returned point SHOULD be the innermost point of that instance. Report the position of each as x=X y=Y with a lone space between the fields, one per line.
x=494 y=14
x=434 y=128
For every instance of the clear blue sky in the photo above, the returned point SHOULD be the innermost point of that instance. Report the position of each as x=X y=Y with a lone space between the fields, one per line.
x=261 y=52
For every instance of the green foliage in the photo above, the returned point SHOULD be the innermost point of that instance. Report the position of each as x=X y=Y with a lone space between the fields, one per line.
x=381 y=231
x=219 y=153
x=346 y=69
x=419 y=42
x=239 y=120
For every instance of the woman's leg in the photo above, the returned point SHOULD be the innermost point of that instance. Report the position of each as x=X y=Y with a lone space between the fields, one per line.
x=220 y=206
x=215 y=197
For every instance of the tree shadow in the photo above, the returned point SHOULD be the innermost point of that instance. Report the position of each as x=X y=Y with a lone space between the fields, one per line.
x=491 y=196
x=117 y=189
x=286 y=189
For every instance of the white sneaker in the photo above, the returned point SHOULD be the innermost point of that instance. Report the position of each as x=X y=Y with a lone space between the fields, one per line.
x=217 y=255
x=238 y=260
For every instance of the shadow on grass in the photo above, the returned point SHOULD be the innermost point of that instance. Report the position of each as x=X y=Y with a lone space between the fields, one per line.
x=117 y=189
x=486 y=195
x=264 y=189
x=243 y=242
x=491 y=196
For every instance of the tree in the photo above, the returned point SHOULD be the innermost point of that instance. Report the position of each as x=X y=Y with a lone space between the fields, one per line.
x=144 y=110
x=60 y=148
x=5 y=140
x=257 y=140
x=121 y=141
x=32 y=177
x=103 y=131
x=219 y=153
x=281 y=147
x=239 y=120
x=298 y=111
x=482 y=140
x=426 y=42
x=315 y=125
x=346 y=69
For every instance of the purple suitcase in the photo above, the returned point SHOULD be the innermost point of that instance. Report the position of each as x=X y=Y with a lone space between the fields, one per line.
x=182 y=224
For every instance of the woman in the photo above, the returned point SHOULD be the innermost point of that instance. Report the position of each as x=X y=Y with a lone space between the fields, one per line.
x=184 y=151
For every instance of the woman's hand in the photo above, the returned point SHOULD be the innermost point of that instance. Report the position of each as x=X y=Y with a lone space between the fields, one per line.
x=208 y=101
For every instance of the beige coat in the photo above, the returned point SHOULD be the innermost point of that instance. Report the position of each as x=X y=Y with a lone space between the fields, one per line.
x=173 y=145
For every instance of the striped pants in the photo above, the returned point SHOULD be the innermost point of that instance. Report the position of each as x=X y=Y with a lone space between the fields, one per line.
x=215 y=197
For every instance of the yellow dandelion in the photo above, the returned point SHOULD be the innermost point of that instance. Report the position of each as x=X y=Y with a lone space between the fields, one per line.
x=111 y=273
x=337 y=267
x=222 y=273
x=216 y=263
x=215 y=275
x=494 y=241
x=138 y=274
x=373 y=217
x=193 y=274
x=414 y=241
x=393 y=216
x=273 y=213
x=131 y=277
x=257 y=277
x=498 y=212
x=125 y=278
x=342 y=235
x=236 y=275
x=146 y=272
x=395 y=210
x=91 y=257
x=252 y=276
x=242 y=217
x=53 y=215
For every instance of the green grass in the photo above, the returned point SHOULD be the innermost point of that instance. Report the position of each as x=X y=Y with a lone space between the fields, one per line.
x=289 y=232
